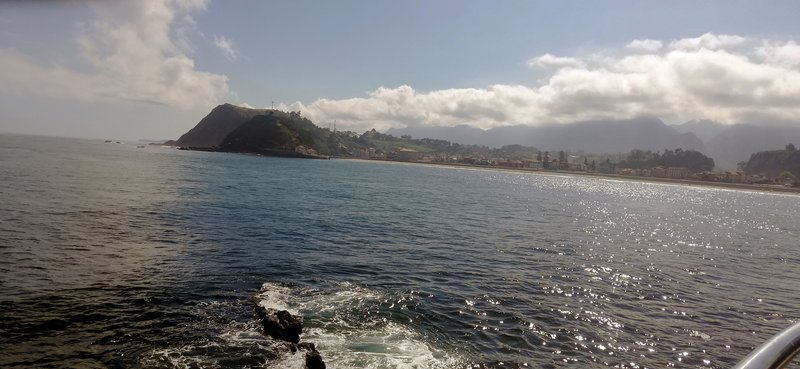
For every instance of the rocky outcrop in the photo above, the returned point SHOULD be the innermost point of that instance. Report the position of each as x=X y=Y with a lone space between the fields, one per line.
x=285 y=326
x=313 y=358
x=281 y=324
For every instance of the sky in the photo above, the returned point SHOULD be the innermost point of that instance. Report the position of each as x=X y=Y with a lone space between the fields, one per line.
x=152 y=69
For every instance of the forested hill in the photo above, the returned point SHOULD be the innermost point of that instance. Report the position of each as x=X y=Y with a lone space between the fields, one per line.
x=773 y=163
x=281 y=131
x=692 y=160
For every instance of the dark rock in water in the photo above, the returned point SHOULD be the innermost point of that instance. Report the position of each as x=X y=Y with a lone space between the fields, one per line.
x=307 y=346
x=314 y=360
x=313 y=357
x=281 y=324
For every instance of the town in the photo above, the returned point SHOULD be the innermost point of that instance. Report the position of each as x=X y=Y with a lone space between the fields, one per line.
x=584 y=164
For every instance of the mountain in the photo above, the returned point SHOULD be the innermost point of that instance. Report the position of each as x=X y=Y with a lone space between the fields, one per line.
x=704 y=129
x=463 y=134
x=736 y=143
x=221 y=121
x=276 y=132
x=601 y=136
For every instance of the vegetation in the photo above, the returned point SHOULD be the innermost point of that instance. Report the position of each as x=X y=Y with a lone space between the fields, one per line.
x=277 y=131
x=783 y=165
x=692 y=160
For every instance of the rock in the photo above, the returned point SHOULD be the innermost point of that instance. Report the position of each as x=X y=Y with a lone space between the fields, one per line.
x=307 y=346
x=313 y=357
x=314 y=360
x=281 y=324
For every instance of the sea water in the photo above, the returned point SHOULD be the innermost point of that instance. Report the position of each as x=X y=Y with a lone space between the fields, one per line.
x=117 y=256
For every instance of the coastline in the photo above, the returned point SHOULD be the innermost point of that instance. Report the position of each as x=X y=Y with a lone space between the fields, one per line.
x=684 y=182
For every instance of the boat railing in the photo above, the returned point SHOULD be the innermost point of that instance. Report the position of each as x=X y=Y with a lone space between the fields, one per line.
x=776 y=353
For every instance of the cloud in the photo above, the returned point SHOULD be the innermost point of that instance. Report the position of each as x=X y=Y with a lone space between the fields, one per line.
x=645 y=45
x=708 y=41
x=133 y=51
x=730 y=79
x=783 y=54
x=225 y=46
x=552 y=61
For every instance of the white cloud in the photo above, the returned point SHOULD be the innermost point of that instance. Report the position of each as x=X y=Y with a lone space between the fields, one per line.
x=134 y=51
x=225 y=46
x=725 y=78
x=708 y=41
x=786 y=54
x=646 y=45
x=552 y=61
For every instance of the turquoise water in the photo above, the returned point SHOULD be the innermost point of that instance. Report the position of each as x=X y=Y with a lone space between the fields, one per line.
x=113 y=256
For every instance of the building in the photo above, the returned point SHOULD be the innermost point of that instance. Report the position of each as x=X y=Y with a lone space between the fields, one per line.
x=408 y=154
x=677 y=172
x=607 y=167
x=532 y=164
x=735 y=177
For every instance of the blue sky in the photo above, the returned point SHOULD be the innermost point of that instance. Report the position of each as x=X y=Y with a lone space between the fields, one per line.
x=152 y=69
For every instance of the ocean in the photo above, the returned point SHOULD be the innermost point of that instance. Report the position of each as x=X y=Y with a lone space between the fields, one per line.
x=125 y=257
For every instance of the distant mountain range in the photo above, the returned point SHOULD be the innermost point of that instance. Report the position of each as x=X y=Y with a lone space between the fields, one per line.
x=736 y=143
x=601 y=136
x=727 y=144
x=703 y=129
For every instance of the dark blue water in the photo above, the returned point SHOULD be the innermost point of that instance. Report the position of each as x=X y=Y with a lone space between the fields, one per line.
x=114 y=256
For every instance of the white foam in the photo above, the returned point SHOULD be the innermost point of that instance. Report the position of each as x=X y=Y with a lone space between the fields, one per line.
x=344 y=343
x=276 y=296
x=390 y=346
x=291 y=361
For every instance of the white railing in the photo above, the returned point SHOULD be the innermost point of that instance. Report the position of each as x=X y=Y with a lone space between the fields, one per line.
x=776 y=353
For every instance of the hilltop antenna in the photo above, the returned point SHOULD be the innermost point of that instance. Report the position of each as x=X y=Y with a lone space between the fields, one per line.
x=273 y=104
x=334 y=126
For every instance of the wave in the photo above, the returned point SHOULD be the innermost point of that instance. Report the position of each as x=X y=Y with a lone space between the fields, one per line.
x=347 y=325
x=351 y=326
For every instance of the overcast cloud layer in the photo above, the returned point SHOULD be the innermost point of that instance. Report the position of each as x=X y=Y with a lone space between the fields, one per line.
x=134 y=51
x=726 y=78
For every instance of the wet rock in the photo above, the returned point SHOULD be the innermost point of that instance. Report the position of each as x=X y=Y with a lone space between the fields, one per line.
x=314 y=360
x=313 y=357
x=307 y=346
x=281 y=324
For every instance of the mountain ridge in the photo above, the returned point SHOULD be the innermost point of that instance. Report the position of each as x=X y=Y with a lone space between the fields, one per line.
x=221 y=121
x=598 y=136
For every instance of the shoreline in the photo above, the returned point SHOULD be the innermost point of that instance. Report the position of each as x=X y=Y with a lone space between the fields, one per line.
x=675 y=181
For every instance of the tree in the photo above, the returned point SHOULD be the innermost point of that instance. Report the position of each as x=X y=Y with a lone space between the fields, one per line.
x=539 y=156
x=786 y=177
x=790 y=147
x=742 y=165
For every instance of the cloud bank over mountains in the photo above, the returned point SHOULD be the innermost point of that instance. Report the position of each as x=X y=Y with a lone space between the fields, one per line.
x=141 y=51
x=133 y=51
x=725 y=78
